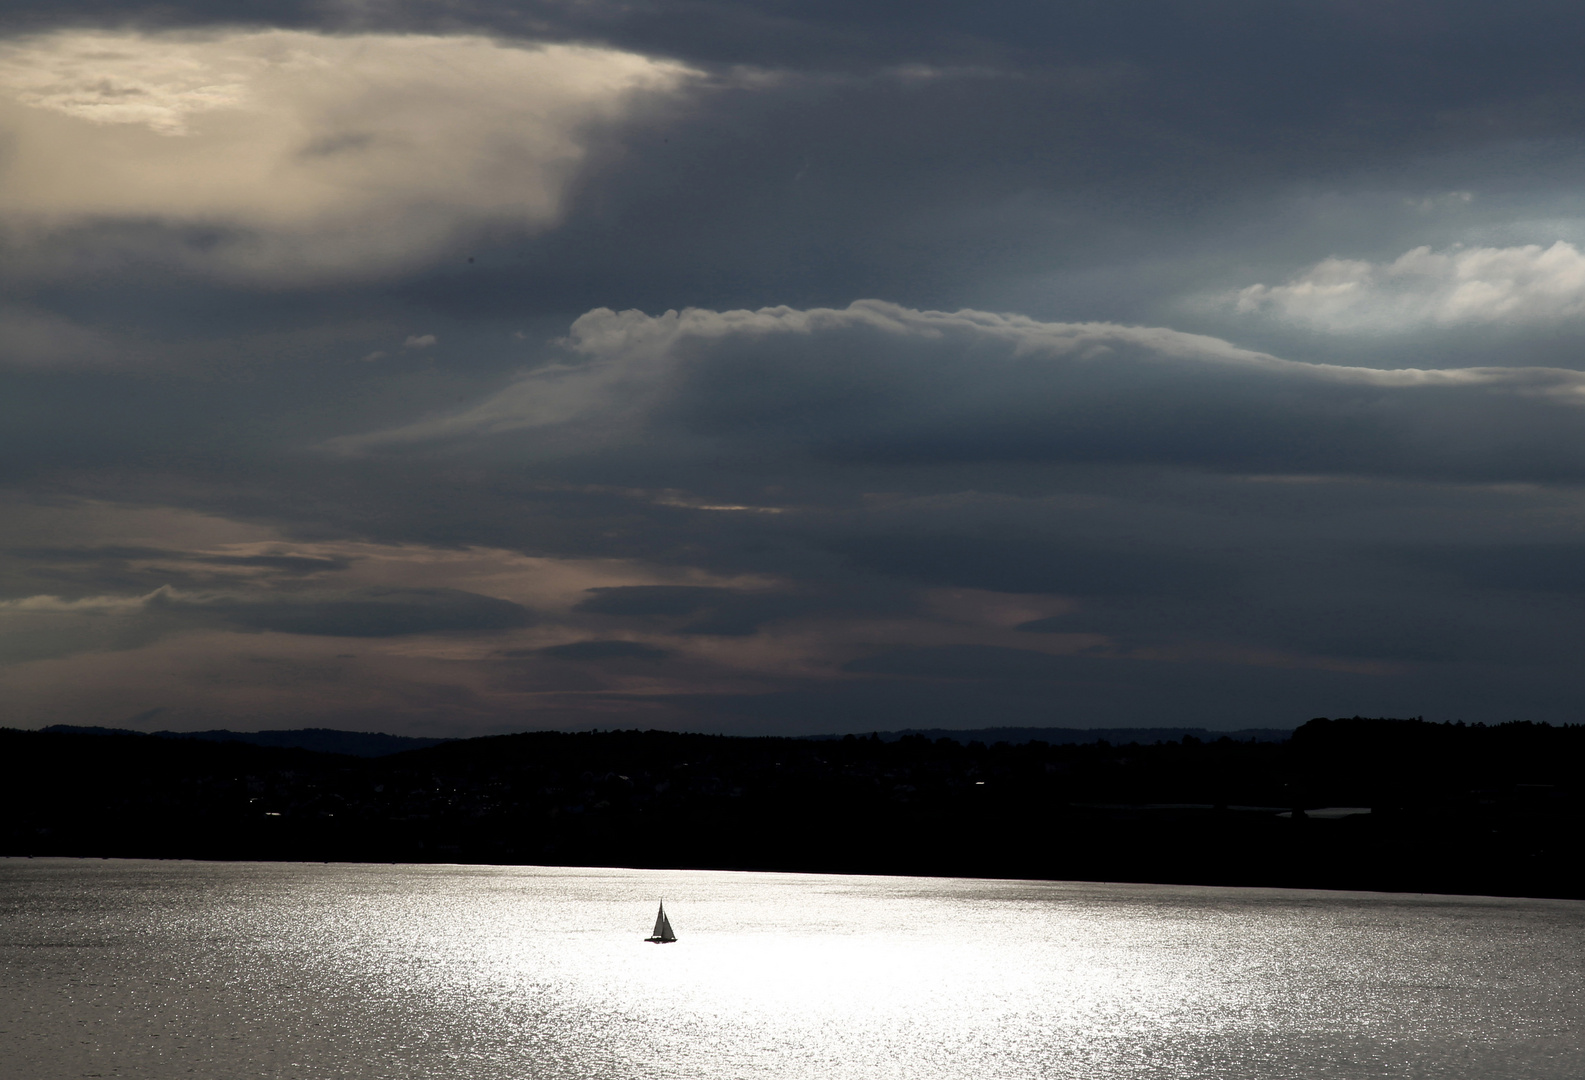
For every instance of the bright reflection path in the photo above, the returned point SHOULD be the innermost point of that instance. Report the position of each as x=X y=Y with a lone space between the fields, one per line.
x=163 y=969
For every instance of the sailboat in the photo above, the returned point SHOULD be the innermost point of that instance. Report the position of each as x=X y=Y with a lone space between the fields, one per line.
x=662 y=934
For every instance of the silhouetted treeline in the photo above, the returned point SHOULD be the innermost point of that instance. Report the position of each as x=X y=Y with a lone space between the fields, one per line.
x=1065 y=736
x=1451 y=808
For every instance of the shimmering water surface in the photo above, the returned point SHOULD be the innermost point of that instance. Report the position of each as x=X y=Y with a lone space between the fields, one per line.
x=176 y=969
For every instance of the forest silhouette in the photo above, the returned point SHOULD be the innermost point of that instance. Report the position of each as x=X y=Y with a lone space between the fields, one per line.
x=1353 y=803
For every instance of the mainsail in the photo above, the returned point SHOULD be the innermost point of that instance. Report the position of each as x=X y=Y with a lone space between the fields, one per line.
x=662 y=933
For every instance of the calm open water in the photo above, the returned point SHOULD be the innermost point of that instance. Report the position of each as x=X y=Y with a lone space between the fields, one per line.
x=177 y=969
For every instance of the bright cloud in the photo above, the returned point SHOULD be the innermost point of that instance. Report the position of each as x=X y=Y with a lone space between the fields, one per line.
x=313 y=154
x=1459 y=287
x=157 y=82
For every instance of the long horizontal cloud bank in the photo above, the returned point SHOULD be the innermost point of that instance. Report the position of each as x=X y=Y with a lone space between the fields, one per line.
x=880 y=384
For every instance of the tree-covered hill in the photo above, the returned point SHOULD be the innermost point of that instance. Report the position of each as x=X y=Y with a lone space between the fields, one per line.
x=1349 y=803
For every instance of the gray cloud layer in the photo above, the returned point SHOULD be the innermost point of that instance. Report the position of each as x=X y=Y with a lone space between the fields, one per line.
x=464 y=366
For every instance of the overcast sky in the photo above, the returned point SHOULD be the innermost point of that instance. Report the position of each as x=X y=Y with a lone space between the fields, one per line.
x=762 y=367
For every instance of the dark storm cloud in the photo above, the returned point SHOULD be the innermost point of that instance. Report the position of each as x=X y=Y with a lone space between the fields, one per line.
x=1354 y=489
x=1096 y=163
x=1105 y=147
x=1424 y=53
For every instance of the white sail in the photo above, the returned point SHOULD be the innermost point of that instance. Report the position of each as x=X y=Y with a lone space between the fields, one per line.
x=662 y=932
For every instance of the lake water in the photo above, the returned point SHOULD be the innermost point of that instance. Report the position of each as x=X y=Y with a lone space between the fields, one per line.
x=178 y=969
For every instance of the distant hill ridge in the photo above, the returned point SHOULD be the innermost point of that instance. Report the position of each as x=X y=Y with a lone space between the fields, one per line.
x=378 y=744
x=1081 y=736
x=371 y=744
x=323 y=740
x=1452 y=808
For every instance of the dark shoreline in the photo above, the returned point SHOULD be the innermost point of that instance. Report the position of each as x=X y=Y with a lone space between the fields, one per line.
x=1493 y=811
